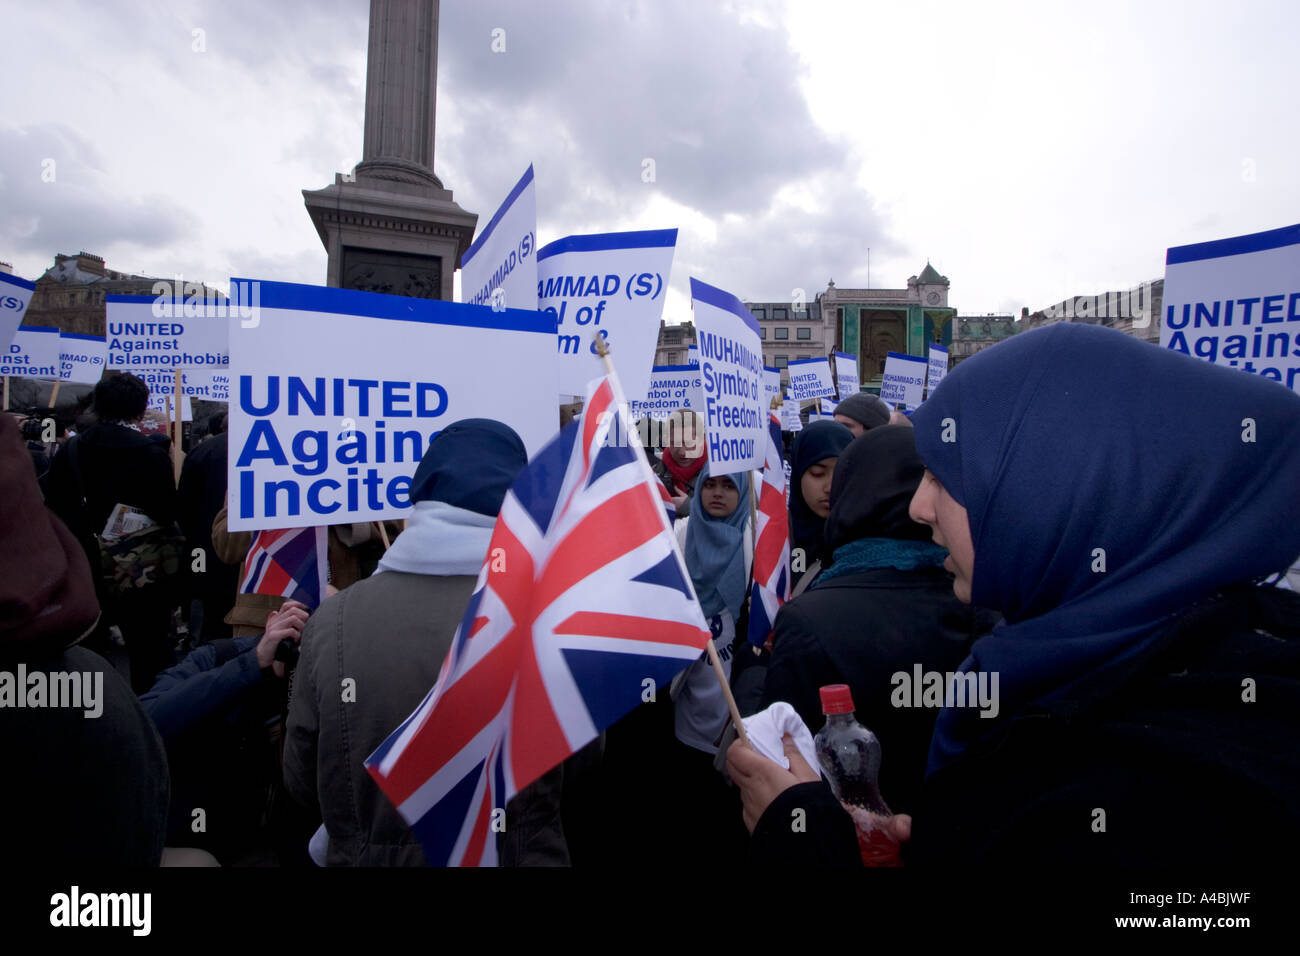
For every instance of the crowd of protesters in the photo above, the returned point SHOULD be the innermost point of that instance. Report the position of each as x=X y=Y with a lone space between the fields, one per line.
x=1122 y=568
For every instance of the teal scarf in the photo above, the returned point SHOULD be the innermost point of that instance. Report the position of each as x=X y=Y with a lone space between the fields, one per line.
x=867 y=554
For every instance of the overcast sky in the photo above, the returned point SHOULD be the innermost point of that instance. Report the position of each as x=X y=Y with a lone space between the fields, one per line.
x=1029 y=150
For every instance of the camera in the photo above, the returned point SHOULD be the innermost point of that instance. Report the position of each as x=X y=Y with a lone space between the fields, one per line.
x=286 y=652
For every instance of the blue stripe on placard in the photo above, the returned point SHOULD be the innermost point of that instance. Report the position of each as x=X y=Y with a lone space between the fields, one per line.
x=675 y=368
x=647 y=239
x=486 y=234
x=939 y=348
x=768 y=368
x=374 y=305
x=719 y=299
x=175 y=301
x=79 y=335
x=805 y=361
x=37 y=328
x=15 y=280
x=1235 y=246
x=846 y=355
x=907 y=358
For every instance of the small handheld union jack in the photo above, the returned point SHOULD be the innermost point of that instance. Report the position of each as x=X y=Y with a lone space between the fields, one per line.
x=583 y=597
x=771 y=587
x=288 y=562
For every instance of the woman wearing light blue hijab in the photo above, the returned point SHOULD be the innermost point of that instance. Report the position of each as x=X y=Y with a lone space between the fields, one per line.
x=717 y=542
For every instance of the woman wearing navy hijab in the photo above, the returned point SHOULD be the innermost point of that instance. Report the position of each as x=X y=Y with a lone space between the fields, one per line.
x=812 y=468
x=1146 y=671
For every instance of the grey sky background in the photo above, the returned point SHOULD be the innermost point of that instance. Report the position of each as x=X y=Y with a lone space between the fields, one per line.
x=1030 y=150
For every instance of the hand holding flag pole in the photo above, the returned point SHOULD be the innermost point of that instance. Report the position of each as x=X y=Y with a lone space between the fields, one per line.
x=602 y=349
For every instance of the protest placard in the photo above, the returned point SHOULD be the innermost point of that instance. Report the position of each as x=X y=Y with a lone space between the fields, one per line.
x=731 y=367
x=209 y=385
x=846 y=375
x=500 y=268
x=81 y=358
x=904 y=381
x=671 y=387
x=164 y=332
x=936 y=367
x=162 y=402
x=1236 y=302
x=15 y=294
x=790 y=421
x=33 y=353
x=692 y=355
x=811 y=378
x=613 y=284
x=828 y=408
x=771 y=385
x=338 y=394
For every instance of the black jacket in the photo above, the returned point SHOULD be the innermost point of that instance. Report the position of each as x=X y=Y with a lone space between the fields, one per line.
x=1188 y=752
x=860 y=629
x=117 y=464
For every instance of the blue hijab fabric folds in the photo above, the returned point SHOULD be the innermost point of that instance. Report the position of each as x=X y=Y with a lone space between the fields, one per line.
x=819 y=441
x=715 y=550
x=470 y=464
x=1109 y=485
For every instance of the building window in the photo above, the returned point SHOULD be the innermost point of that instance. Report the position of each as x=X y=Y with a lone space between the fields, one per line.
x=803 y=334
x=762 y=331
x=781 y=334
x=779 y=314
x=782 y=361
x=758 y=313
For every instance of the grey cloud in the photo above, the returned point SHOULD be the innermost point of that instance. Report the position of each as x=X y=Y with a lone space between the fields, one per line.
x=80 y=208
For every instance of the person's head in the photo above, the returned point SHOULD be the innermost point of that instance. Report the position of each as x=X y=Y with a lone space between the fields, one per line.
x=812 y=467
x=685 y=437
x=720 y=496
x=861 y=412
x=471 y=465
x=874 y=483
x=1052 y=481
x=217 y=423
x=933 y=506
x=121 y=398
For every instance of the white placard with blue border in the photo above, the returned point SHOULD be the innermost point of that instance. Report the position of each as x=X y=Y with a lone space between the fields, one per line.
x=209 y=385
x=500 y=268
x=162 y=402
x=904 y=381
x=692 y=355
x=828 y=408
x=337 y=394
x=811 y=378
x=613 y=284
x=164 y=332
x=1236 y=302
x=731 y=367
x=936 y=367
x=790 y=421
x=82 y=358
x=771 y=385
x=846 y=374
x=671 y=387
x=33 y=353
x=15 y=296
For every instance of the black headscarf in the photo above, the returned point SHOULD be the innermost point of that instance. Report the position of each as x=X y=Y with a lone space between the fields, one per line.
x=818 y=441
x=874 y=481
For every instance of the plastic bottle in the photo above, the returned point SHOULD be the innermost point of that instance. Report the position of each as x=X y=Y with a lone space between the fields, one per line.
x=849 y=755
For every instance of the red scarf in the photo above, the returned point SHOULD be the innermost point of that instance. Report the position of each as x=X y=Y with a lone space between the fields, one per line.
x=682 y=474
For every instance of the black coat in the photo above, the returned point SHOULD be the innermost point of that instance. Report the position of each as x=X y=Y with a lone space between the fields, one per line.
x=1187 y=770
x=859 y=630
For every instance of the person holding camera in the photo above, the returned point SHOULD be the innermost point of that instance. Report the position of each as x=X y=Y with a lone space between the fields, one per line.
x=219 y=713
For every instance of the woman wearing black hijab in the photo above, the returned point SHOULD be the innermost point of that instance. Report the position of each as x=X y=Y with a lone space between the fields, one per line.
x=812 y=466
x=883 y=606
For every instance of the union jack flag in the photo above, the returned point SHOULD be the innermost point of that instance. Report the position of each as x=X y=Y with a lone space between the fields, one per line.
x=289 y=562
x=583 y=597
x=771 y=587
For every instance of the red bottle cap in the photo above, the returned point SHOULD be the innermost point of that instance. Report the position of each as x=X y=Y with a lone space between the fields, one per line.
x=837 y=699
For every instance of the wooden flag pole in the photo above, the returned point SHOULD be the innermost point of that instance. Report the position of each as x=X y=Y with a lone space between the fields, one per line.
x=383 y=535
x=602 y=349
x=4 y=407
x=176 y=439
x=54 y=394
